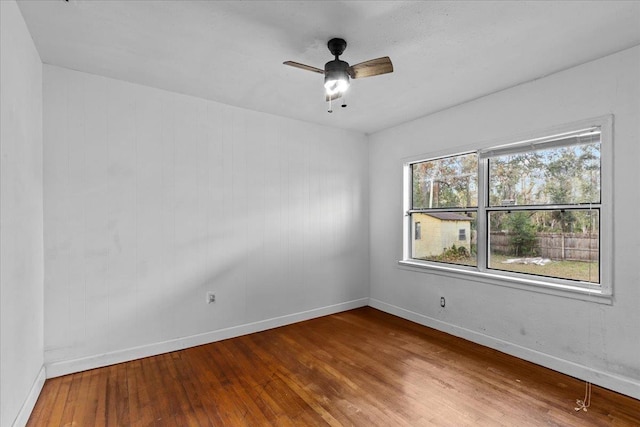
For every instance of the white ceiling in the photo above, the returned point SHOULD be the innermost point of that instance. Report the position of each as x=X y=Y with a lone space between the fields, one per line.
x=444 y=52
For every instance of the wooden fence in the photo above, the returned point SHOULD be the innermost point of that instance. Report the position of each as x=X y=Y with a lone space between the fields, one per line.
x=556 y=246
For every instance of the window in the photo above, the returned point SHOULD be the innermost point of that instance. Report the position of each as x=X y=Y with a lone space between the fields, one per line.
x=533 y=212
x=444 y=200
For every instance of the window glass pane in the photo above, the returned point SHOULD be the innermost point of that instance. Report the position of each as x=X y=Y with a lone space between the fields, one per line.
x=551 y=176
x=448 y=237
x=445 y=183
x=556 y=243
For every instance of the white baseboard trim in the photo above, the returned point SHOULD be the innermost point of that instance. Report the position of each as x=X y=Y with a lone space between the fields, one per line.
x=56 y=369
x=32 y=398
x=624 y=385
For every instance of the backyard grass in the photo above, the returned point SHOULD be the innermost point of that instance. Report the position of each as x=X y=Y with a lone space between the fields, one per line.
x=572 y=270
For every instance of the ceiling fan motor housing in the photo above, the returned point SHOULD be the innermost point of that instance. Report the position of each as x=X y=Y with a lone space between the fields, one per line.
x=337 y=46
x=335 y=66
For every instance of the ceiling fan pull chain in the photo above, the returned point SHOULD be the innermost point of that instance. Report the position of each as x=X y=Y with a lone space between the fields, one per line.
x=330 y=109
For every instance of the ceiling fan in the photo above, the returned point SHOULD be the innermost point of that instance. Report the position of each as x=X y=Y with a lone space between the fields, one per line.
x=336 y=73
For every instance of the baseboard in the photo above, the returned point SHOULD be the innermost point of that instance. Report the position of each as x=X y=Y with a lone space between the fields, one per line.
x=57 y=369
x=32 y=398
x=627 y=386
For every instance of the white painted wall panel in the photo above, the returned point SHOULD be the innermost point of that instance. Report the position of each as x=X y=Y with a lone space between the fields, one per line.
x=21 y=242
x=590 y=340
x=154 y=198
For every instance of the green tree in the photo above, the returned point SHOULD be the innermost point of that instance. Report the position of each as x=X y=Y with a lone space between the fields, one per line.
x=523 y=233
x=513 y=179
x=572 y=176
x=446 y=182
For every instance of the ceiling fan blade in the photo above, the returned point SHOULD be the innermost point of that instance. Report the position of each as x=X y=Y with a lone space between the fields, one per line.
x=303 y=67
x=373 y=67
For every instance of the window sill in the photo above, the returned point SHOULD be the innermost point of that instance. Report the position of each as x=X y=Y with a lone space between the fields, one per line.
x=532 y=285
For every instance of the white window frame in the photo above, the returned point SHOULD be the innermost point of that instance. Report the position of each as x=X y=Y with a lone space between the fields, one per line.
x=602 y=292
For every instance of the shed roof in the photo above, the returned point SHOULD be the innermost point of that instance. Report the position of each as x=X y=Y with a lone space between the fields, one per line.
x=449 y=216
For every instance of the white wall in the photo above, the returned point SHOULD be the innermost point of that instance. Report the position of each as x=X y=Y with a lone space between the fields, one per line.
x=21 y=247
x=585 y=339
x=153 y=198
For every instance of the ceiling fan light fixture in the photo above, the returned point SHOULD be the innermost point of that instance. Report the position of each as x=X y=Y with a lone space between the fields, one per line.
x=336 y=84
x=336 y=81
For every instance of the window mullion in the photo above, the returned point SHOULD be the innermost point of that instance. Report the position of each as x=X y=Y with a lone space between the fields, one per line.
x=577 y=207
x=482 y=236
x=436 y=210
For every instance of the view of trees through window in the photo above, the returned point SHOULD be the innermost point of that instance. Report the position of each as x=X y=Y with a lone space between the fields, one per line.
x=564 y=175
x=444 y=202
x=557 y=233
x=542 y=214
x=450 y=182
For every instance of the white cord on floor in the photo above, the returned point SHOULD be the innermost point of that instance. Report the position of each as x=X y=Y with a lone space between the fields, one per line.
x=584 y=404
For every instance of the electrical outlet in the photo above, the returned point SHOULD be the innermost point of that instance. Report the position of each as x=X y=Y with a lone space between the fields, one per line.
x=211 y=297
x=442 y=302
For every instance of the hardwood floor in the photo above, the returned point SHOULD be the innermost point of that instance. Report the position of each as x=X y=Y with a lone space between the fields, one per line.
x=361 y=367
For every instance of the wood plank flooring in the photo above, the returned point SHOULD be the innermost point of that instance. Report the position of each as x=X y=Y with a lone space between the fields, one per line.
x=361 y=367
